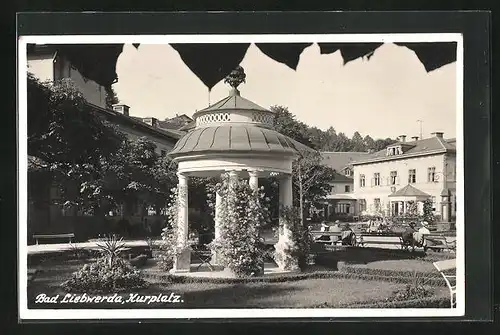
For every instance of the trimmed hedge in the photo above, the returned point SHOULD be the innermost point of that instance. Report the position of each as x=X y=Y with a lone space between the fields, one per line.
x=387 y=272
x=430 y=302
x=169 y=278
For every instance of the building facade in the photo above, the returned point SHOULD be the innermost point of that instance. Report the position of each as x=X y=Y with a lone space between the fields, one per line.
x=341 y=203
x=405 y=174
x=47 y=65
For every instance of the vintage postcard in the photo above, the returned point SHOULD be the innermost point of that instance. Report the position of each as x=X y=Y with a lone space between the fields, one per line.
x=241 y=176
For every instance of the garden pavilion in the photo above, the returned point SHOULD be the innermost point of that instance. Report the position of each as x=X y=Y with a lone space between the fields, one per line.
x=233 y=136
x=401 y=199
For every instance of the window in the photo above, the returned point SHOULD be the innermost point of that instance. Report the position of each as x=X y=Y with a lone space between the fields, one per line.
x=376 y=179
x=412 y=176
x=343 y=208
x=431 y=174
x=376 y=203
x=394 y=177
x=362 y=180
x=163 y=153
x=347 y=188
x=362 y=205
x=348 y=172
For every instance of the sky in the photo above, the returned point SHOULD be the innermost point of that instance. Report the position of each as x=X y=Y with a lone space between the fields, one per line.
x=381 y=97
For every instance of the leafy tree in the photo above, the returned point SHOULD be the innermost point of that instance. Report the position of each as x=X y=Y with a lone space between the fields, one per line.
x=381 y=144
x=343 y=143
x=358 y=143
x=286 y=124
x=369 y=143
x=111 y=97
x=70 y=139
x=311 y=180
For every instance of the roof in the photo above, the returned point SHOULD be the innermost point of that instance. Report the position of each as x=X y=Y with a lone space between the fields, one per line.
x=340 y=178
x=137 y=121
x=345 y=196
x=233 y=101
x=409 y=191
x=176 y=122
x=189 y=126
x=339 y=160
x=425 y=146
x=239 y=138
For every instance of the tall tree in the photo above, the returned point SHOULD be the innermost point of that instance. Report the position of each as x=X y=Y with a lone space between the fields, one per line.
x=111 y=97
x=286 y=123
x=343 y=143
x=311 y=180
x=369 y=142
x=70 y=139
x=357 y=143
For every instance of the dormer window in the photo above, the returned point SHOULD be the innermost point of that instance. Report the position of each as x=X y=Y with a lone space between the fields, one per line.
x=394 y=150
x=348 y=172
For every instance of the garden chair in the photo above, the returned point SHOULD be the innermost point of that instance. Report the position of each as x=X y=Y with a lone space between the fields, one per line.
x=444 y=268
x=203 y=254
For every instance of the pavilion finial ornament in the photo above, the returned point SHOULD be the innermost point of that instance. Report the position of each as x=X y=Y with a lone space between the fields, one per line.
x=236 y=77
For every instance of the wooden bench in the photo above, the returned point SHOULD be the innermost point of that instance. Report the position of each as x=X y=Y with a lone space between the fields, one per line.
x=37 y=237
x=444 y=267
x=316 y=235
x=438 y=243
x=380 y=239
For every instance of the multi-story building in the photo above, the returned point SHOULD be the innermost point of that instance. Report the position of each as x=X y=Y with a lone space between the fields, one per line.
x=341 y=202
x=408 y=173
x=46 y=64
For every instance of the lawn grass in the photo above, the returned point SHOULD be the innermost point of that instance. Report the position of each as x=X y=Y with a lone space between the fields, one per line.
x=331 y=292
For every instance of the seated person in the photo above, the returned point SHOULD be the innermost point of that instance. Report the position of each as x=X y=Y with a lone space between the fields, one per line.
x=335 y=229
x=408 y=234
x=419 y=234
x=324 y=227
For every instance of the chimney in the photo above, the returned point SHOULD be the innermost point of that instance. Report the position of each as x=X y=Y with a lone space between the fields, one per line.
x=123 y=109
x=438 y=134
x=415 y=138
x=402 y=138
x=153 y=122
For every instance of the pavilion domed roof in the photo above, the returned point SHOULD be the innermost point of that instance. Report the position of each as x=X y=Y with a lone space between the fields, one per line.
x=234 y=139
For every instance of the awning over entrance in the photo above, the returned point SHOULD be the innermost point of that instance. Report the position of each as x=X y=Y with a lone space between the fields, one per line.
x=408 y=193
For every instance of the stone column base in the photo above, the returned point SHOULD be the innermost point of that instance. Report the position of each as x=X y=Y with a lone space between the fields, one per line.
x=182 y=262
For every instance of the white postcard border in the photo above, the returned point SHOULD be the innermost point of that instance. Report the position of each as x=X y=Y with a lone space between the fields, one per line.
x=46 y=314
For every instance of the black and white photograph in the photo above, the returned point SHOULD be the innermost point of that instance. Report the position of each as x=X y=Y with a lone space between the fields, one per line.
x=209 y=176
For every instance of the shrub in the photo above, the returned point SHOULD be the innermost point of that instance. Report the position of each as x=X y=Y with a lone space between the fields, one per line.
x=111 y=248
x=429 y=302
x=293 y=251
x=241 y=214
x=105 y=277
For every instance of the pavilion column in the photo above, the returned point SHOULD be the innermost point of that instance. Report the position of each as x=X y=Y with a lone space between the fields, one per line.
x=253 y=180
x=182 y=262
x=217 y=224
x=404 y=207
x=285 y=239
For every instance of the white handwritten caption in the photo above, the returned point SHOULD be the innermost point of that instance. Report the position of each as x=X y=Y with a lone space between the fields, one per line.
x=133 y=298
